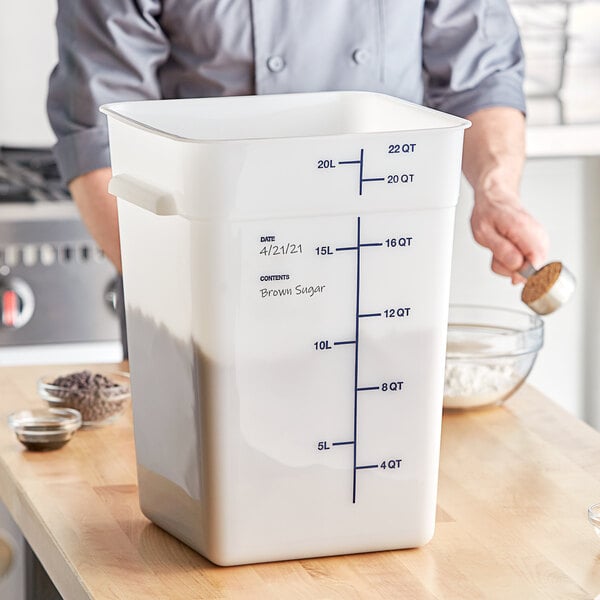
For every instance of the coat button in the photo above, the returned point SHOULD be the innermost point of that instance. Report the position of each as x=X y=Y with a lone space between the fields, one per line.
x=361 y=56
x=275 y=64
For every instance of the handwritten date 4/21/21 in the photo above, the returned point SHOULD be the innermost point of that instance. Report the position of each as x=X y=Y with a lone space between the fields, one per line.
x=280 y=249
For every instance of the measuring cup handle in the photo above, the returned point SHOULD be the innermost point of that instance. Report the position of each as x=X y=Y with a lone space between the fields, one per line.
x=527 y=270
x=143 y=195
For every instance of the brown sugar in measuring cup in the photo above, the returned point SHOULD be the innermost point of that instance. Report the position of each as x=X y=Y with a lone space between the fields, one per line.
x=549 y=288
x=541 y=282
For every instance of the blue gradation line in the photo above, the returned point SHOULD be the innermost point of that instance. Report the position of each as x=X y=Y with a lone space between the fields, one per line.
x=362 y=153
x=356 y=329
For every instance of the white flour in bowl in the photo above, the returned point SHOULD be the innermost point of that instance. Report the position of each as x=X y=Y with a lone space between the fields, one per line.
x=469 y=385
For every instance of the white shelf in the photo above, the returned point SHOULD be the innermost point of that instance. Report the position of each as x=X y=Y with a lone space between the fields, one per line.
x=556 y=141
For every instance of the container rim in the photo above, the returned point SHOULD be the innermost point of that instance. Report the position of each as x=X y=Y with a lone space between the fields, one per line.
x=112 y=110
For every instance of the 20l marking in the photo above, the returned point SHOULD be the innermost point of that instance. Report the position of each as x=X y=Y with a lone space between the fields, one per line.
x=326 y=164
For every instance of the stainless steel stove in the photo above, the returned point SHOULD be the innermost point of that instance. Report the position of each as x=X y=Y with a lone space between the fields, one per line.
x=56 y=285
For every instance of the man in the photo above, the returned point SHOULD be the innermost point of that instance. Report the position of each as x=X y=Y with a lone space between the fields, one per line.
x=459 y=56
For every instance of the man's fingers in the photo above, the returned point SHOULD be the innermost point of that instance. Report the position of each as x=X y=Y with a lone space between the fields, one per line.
x=501 y=269
x=506 y=254
x=527 y=235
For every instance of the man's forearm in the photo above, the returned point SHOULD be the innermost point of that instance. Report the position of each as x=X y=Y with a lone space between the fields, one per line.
x=98 y=210
x=494 y=149
x=493 y=160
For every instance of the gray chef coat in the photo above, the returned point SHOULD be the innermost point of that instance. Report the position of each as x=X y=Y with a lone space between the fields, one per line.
x=455 y=55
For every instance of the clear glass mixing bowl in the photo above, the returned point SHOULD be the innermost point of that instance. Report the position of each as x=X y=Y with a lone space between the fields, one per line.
x=489 y=354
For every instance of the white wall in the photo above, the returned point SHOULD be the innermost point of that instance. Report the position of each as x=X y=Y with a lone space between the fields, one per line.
x=27 y=55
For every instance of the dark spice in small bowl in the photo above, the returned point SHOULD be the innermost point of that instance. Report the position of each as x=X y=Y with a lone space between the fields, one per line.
x=41 y=430
x=33 y=437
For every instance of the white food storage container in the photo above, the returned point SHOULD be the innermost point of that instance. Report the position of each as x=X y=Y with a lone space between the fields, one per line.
x=286 y=264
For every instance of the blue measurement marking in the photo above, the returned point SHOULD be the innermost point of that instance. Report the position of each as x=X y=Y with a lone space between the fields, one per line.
x=342 y=443
x=356 y=329
x=362 y=154
x=368 y=467
x=345 y=248
x=348 y=342
x=370 y=315
x=372 y=244
x=361 y=179
x=366 y=389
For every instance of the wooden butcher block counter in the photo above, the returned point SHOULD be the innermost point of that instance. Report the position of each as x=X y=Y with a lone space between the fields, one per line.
x=515 y=483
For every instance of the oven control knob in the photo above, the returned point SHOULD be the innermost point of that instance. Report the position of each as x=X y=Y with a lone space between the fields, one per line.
x=16 y=302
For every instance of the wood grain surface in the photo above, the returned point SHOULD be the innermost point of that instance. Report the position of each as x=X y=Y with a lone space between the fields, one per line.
x=515 y=484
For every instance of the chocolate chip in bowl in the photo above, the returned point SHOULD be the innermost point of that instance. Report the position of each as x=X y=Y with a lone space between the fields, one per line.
x=100 y=397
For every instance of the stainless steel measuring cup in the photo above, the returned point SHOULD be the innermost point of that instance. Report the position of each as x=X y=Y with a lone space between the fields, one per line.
x=557 y=295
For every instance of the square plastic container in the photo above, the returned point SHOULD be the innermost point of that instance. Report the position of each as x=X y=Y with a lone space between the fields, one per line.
x=286 y=267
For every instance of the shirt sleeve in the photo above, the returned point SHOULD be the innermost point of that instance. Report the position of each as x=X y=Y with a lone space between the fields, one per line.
x=472 y=56
x=107 y=52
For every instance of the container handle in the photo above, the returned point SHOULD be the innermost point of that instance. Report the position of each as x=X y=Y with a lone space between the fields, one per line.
x=142 y=194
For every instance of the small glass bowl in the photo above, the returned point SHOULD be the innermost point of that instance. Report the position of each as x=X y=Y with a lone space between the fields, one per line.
x=594 y=517
x=99 y=405
x=45 y=428
x=489 y=354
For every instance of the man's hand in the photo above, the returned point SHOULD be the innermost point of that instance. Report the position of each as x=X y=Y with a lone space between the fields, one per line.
x=501 y=224
x=493 y=158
